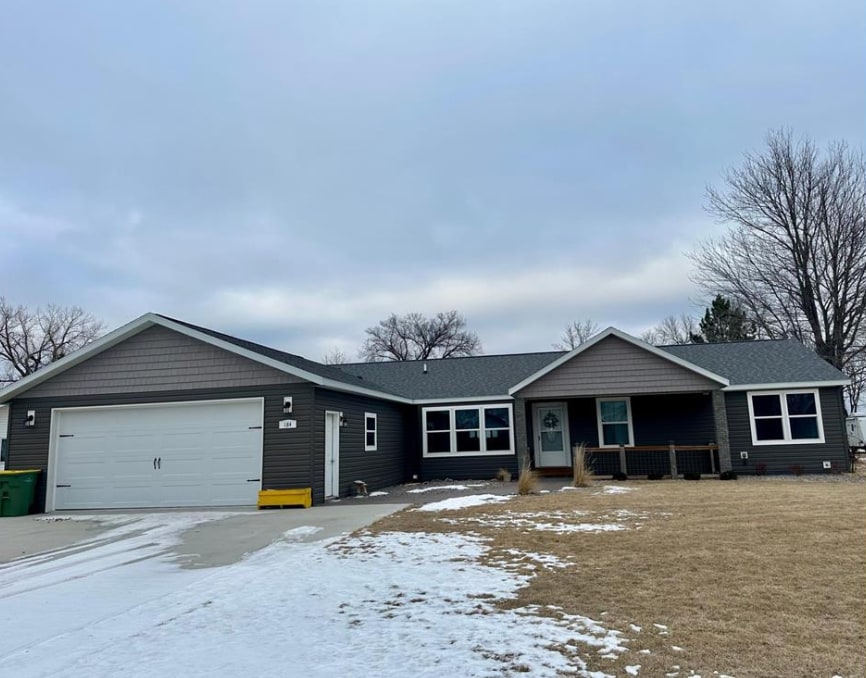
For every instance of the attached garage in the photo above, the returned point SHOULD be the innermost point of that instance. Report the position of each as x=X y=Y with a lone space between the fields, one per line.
x=167 y=455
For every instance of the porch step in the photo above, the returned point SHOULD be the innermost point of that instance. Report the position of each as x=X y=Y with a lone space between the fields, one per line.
x=554 y=471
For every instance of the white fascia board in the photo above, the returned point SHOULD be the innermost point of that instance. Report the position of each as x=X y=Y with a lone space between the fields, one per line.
x=604 y=334
x=787 y=385
x=111 y=339
x=465 y=399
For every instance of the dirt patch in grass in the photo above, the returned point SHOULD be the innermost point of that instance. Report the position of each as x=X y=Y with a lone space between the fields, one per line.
x=746 y=579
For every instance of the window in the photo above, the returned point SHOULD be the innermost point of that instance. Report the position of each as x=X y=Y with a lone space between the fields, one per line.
x=614 y=422
x=467 y=430
x=370 y=432
x=785 y=417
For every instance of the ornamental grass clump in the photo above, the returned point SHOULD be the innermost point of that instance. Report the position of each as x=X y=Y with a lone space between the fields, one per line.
x=527 y=482
x=582 y=467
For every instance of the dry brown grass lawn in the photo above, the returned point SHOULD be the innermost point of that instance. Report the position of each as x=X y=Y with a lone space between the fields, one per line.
x=750 y=578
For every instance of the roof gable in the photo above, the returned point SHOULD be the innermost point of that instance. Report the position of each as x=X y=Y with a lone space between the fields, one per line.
x=616 y=334
x=296 y=366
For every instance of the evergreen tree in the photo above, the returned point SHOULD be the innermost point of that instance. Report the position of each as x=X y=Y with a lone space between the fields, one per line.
x=724 y=320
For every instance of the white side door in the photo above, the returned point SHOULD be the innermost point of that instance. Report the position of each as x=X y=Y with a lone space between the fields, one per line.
x=332 y=454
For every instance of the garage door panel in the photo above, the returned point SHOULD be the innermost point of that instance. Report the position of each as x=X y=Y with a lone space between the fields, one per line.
x=206 y=452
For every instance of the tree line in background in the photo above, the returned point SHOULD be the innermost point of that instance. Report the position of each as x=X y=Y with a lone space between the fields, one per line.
x=793 y=264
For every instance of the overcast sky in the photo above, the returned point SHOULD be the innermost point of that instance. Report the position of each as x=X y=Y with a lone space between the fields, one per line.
x=292 y=172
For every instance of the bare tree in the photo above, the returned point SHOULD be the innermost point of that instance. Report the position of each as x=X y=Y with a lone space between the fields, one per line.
x=575 y=334
x=416 y=337
x=31 y=339
x=795 y=257
x=335 y=357
x=672 y=330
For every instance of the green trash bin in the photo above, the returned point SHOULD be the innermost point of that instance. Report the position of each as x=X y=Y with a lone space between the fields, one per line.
x=17 y=489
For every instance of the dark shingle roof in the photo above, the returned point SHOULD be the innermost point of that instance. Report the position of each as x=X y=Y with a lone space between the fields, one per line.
x=759 y=362
x=485 y=375
x=743 y=362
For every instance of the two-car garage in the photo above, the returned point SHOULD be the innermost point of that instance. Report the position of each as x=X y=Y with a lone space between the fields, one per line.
x=202 y=453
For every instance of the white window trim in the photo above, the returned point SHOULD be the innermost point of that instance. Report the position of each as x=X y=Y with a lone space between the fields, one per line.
x=453 y=432
x=374 y=431
x=786 y=422
x=598 y=402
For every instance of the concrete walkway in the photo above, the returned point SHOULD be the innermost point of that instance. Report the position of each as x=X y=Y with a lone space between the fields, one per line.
x=206 y=544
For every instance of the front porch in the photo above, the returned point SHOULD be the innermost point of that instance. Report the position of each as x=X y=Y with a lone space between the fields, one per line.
x=656 y=435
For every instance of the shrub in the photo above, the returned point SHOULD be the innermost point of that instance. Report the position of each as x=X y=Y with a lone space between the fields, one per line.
x=692 y=476
x=582 y=471
x=797 y=470
x=503 y=475
x=619 y=475
x=728 y=475
x=527 y=481
x=654 y=476
x=761 y=469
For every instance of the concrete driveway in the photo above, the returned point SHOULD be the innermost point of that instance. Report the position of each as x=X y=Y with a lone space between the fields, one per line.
x=207 y=538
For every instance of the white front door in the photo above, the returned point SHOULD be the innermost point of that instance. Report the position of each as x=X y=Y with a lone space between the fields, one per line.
x=167 y=455
x=332 y=454
x=550 y=422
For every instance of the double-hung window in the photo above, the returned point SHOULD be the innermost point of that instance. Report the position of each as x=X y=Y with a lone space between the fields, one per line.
x=614 y=422
x=785 y=417
x=370 y=432
x=467 y=430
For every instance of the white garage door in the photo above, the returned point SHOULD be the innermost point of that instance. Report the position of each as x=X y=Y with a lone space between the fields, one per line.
x=190 y=454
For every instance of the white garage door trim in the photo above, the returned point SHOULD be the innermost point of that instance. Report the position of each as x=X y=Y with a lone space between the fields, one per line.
x=57 y=413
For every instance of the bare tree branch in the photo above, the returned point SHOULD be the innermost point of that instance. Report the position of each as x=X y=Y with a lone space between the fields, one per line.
x=672 y=330
x=575 y=334
x=335 y=357
x=415 y=337
x=32 y=339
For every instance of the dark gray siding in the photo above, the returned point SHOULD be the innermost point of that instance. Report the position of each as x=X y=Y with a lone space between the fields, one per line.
x=286 y=453
x=782 y=458
x=684 y=419
x=158 y=360
x=478 y=467
x=385 y=466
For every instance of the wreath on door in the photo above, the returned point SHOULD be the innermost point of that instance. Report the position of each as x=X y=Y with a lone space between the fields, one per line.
x=550 y=420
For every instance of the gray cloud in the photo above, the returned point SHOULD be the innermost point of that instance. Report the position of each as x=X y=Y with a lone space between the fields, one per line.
x=295 y=171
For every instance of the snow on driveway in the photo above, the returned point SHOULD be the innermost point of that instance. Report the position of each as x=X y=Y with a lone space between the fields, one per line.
x=392 y=604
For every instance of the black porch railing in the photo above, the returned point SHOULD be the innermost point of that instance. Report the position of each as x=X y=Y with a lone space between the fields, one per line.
x=662 y=460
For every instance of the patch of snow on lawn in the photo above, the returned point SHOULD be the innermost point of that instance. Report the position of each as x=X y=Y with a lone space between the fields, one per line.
x=378 y=493
x=436 y=488
x=455 y=503
x=528 y=560
x=616 y=489
x=632 y=670
x=538 y=521
x=389 y=604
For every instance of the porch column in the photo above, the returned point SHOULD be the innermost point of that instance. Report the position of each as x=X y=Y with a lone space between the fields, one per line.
x=520 y=433
x=720 y=414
